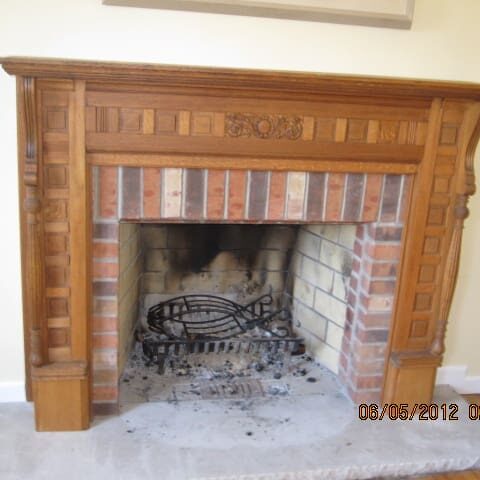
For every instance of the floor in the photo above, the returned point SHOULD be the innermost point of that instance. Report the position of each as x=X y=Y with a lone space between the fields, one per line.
x=466 y=475
x=290 y=428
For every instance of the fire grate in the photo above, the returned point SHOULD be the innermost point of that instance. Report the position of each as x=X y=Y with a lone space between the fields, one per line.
x=213 y=324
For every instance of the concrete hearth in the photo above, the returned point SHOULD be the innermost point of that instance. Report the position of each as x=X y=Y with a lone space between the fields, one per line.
x=167 y=440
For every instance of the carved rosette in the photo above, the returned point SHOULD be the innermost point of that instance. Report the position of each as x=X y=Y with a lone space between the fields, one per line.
x=263 y=126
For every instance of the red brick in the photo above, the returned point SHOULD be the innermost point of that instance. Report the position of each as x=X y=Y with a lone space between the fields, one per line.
x=216 y=194
x=105 y=408
x=383 y=251
x=335 y=194
x=257 y=201
x=347 y=331
x=356 y=265
x=105 y=288
x=105 y=231
x=391 y=198
x=352 y=297
x=358 y=248
x=379 y=269
x=105 y=358
x=105 y=376
x=296 y=186
x=346 y=345
x=365 y=283
x=374 y=320
x=353 y=282
x=105 y=393
x=105 y=307
x=316 y=196
x=104 y=324
x=152 y=181
x=377 y=303
x=373 y=191
x=108 y=190
x=360 y=232
x=364 y=367
x=105 y=270
x=194 y=193
x=109 y=340
x=381 y=286
x=382 y=233
x=366 y=382
x=353 y=197
x=276 y=201
x=131 y=192
x=236 y=195
x=371 y=335
x=350 y=315
x=369 y=351
x=105 y=250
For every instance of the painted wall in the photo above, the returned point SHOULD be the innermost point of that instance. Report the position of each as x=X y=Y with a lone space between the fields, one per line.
x=443 y=44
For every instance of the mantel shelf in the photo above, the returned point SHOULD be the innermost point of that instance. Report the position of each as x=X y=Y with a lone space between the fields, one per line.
x=245 y=79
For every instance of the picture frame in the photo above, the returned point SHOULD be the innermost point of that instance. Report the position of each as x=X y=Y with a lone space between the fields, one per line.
x=376 y=13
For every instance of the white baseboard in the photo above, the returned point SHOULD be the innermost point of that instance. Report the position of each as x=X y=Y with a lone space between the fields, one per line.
x=12 y=392
x=457 y=378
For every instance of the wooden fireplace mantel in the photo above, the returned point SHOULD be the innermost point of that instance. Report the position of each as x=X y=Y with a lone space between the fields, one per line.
x=74 y=114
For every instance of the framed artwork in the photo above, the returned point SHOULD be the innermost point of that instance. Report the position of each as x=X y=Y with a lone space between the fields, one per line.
x=378 y=13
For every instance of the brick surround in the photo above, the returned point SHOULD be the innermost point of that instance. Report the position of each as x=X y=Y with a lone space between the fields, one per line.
x=375 y=203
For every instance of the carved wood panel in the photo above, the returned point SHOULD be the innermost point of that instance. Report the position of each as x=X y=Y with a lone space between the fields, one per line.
x=54 y=104
x=152 y=123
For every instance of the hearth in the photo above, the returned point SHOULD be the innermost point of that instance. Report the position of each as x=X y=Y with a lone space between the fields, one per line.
x=106 y=148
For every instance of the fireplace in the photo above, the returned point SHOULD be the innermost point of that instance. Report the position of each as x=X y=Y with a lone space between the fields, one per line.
x=368 y=180
x=327 y=245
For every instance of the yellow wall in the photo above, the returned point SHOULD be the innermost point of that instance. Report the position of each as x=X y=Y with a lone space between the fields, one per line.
x=443 y=44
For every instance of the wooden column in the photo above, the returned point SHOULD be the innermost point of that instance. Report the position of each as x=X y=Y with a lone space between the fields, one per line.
x=55 y=242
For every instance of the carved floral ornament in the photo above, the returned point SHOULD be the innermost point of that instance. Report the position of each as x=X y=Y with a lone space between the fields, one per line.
x=263 y=126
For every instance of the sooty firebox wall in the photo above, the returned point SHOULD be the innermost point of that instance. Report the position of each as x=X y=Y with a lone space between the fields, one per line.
x=235 y=260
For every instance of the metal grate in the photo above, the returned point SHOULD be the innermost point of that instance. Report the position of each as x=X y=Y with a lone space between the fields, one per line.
x=213 y=324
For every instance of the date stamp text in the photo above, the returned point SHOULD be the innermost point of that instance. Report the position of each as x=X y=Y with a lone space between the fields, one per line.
x=420 y=411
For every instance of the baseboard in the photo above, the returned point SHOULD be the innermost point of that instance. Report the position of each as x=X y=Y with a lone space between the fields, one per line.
x=457 y=378
x=12 y=392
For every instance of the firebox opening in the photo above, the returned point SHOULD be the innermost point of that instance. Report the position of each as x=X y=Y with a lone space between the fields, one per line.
x=304 y=268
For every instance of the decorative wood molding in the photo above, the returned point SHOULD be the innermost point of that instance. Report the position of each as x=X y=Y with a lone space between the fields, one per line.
x=32 y=205
x=263 y=126
x=451 y=272
x=269 y=83
x=466 y=187
x=30 y=176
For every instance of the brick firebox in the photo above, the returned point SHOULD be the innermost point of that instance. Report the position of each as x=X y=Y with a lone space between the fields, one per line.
x=376 y=203
x=75 y=115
